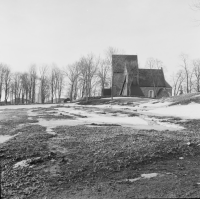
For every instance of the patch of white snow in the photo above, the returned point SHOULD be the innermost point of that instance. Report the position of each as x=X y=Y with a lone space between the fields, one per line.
x=149 y=175
x=23 y=163
x=190 y=111
x=144 y=176
x=4 y=138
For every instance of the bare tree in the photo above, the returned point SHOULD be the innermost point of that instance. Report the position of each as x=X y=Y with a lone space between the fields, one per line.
x=102 y=73
x=196 y=69
x=82 y=77
x=2 y=73
x=17 y=87
x=57 y=83
x=44 y=83
x=186 y=68
x=72 y=72
x=60 y=82
x=89 y=66
x=178 y=79
x=25 y=87
x=7 y=80
x=33 y=79
x=196 y=5
x=191 y=81
x=109 y=52
x=12 y=92
x=53 y=82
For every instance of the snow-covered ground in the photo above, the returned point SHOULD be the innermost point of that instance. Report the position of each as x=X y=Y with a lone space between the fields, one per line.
x=98 y=114
x=190 y=111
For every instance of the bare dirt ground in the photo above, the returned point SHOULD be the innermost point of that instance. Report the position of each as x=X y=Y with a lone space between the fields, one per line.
x=96 y=161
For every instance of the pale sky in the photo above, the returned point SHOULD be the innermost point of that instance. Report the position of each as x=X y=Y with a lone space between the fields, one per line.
x=61 y=31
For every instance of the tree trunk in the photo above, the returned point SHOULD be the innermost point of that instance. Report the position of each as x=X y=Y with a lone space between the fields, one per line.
x=0 y=91
x=22 y=98
x=26 y=97
x=6 y=93
x=71 y=93
x=33 y=92
x=102 y=89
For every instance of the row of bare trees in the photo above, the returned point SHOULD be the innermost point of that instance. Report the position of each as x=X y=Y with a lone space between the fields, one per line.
x=51 y=83
x=187 y=79
x=22 y=87
x=85 y=78
x=90 y=75
x=5 y=78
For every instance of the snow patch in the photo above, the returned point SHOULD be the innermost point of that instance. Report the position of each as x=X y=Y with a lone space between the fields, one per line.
x=168 y=125
x=144 y=176
x=95 y=116
x=149 y=175
x=27 y=162
x=4 y=138
x=133 y=180
x=190 y=111
x=23 y=163
x=116 y=120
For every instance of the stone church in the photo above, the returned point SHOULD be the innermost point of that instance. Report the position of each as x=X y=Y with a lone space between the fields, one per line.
x=129 y=80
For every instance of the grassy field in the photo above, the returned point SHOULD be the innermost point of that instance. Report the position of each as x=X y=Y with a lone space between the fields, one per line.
x=97 y=162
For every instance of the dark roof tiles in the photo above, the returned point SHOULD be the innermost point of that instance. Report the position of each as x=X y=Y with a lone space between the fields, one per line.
x=151 y=78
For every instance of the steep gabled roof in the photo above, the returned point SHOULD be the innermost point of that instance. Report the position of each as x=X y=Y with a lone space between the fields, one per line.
x=149 y=77
x=167 y=85
x=118 y=62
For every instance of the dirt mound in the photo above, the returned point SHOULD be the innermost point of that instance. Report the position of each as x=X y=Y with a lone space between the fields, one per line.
x=183 y=99
x=116 y=100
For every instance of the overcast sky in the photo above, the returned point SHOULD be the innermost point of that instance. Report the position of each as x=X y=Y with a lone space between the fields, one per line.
x=61 y=31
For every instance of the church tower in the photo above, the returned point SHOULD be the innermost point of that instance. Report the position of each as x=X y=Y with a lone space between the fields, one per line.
x=125 y=73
